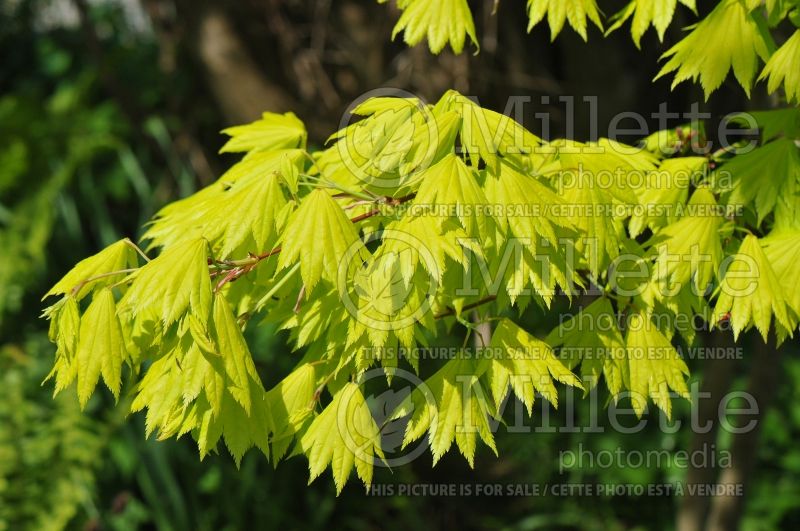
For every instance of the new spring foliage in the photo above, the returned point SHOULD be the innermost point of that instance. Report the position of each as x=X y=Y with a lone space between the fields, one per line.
x=416 y=220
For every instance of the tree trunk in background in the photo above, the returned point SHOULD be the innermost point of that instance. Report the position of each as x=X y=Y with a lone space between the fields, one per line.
x=241 y=89
x=726 y=511
x=717 y=379
x=315 y=57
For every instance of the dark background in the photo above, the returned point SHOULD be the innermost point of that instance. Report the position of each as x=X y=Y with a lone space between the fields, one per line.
x=109 y=110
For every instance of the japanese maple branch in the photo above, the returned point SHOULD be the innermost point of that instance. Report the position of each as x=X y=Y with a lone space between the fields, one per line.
x=244 y=266
x=230 y=270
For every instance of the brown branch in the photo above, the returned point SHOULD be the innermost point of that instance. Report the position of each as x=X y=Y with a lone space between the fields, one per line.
x=451 y=311
x=366 y=215
x=228 y=63
x=242 y=267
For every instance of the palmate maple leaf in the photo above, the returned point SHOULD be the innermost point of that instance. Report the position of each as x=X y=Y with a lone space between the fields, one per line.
x=439 y=21
x=381 y=284
x=720 y=53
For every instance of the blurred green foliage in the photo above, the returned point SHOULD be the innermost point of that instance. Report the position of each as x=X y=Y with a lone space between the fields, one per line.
x=47 y=447
x=69 y=182
x=64 y=158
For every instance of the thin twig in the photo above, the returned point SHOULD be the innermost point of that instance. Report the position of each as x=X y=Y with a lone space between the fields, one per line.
x=136 y=248
x=299 y=298
x=451 y=311
x=244 y=266
x=85 y=281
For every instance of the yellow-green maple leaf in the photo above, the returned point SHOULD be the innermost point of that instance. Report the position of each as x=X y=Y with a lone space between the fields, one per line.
x=319 y=235
x=174 y=282
x=343 y=435
x=452 y=405
x=761 y=176
x=272 y=132
x=750 y=293
x=452 y=185
x=560 y=11
x=101 y=349
x=440 y=21
x=654 y=366
x=116 y=257
x=525 y=364
x=691 y=248
x=709 y=51
x=783 y=67
x=657 y=13
x=782 y=250
x=593 y=339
